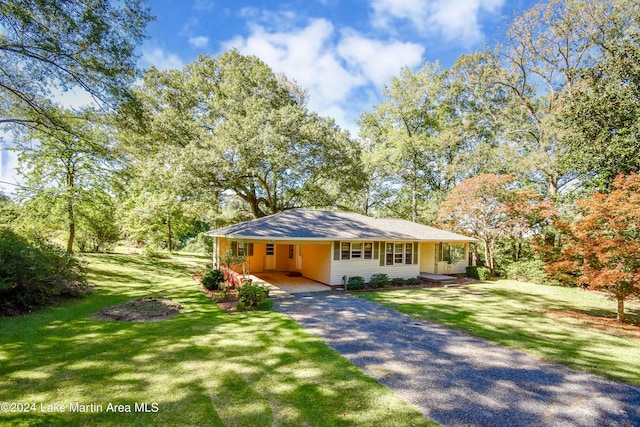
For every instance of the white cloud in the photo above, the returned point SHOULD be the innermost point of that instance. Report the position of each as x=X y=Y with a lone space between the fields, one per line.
x=199 y=41
x=331 y=64
x=157 y=57
x=455 y=20
x=378 y=61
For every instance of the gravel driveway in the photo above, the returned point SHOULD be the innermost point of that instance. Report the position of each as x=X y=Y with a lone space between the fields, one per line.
x=458 y=380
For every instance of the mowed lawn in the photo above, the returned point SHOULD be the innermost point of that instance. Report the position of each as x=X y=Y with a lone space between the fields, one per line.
x=202 y=367
x=557 y=324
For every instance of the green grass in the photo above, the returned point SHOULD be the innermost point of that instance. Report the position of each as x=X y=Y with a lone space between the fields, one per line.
x=515 y=314
x=202 y=367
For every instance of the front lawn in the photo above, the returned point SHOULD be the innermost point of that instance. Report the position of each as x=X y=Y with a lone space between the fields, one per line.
x=201 y=367
x=563 y=325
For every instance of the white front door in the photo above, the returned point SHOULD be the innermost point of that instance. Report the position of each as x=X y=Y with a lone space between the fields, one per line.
x=270 y=257
x=299 y=258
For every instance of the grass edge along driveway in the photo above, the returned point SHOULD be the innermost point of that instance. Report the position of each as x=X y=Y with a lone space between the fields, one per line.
x=532 y=318
x=202 y=367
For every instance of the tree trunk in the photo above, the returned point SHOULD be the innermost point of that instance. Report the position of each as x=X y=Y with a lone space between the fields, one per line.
x=70 y=212
x=170 y=243
x=621 y=310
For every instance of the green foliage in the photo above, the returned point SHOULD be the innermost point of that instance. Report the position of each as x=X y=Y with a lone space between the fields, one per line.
x=379 y=280
x=200 y=244
x=212 y=279
x=398 y=281
x=65 y=44
x=412 y=281
x=478 y=272
x=603 y=115
x=254 y=137
x=153 y=251
x=527 y=271
x=35 y=274
x=254 y=297
x=355 y=283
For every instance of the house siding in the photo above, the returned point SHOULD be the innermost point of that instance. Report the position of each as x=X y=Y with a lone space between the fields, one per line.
x=316 y=262
x=368 y=267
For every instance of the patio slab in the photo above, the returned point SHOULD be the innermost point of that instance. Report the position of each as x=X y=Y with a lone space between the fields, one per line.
x=283 y=286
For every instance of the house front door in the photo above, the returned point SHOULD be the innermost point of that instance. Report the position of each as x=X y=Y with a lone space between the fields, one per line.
x=270 y=257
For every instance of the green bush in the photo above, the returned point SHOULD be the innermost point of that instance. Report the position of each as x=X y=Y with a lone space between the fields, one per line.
x=253 y=297
x=478 y=272
x=398 y=281
x=355 y=282
x=211 y=279
x=527 y=271
x=412 y=281
x=379 y=280
x=35 y=274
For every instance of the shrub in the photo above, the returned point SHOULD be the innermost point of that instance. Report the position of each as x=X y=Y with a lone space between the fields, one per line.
x=398 y=281
x=355 y=283
x=211 y=279
x=478 y=272
x=412 y=281
x=527 y=271
x=152 y=251
x=35 y=274
x=254 y=297
x=379 y=280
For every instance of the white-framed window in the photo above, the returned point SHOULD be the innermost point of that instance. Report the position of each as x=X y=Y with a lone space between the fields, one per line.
x=399 y=253
x=356 y=250
x=271 y=249
x=367 y=248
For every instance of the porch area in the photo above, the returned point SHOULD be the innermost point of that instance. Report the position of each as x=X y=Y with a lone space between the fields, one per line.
x=284 y=284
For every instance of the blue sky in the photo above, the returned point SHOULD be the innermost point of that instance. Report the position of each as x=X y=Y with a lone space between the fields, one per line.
x=341 y=51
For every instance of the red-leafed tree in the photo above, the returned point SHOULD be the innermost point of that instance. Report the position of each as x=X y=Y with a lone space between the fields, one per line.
x=603 y=247
x=489 y=207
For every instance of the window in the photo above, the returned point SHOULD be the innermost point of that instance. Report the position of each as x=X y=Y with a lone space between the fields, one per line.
x=399 y=253
x=451 y=252
x=408 y=253
x=368 y=250
x=271 y=250
x=389 y=252
x=241 y=249
x=356 y=250
x=290 y=251
x=346 y=250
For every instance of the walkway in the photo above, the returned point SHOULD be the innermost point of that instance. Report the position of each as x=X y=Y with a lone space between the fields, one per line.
x=456 y=379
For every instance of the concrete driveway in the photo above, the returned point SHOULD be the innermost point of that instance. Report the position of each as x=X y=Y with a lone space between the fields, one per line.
x=456 y=379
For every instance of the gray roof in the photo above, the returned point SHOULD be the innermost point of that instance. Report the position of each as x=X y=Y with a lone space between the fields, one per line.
x=303 y=224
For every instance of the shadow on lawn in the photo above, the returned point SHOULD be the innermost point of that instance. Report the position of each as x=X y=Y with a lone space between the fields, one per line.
x=202 y=367
x=515 y=318
x=457 y=379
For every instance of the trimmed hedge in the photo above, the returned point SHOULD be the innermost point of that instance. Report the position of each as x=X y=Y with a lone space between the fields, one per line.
x=478 y=272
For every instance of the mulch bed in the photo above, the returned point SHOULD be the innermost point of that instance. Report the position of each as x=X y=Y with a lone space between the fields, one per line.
x=150 y=309
x=228 y=305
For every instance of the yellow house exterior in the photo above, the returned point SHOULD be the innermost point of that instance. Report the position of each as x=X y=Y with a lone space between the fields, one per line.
x=329 y=247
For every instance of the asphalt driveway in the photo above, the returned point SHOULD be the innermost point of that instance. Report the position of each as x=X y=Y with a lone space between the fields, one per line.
x=456 y=379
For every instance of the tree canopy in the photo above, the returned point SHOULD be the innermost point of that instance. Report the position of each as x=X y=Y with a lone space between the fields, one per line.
x=49 y=45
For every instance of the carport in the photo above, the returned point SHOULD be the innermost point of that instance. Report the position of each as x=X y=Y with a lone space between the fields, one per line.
x=284 y=284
